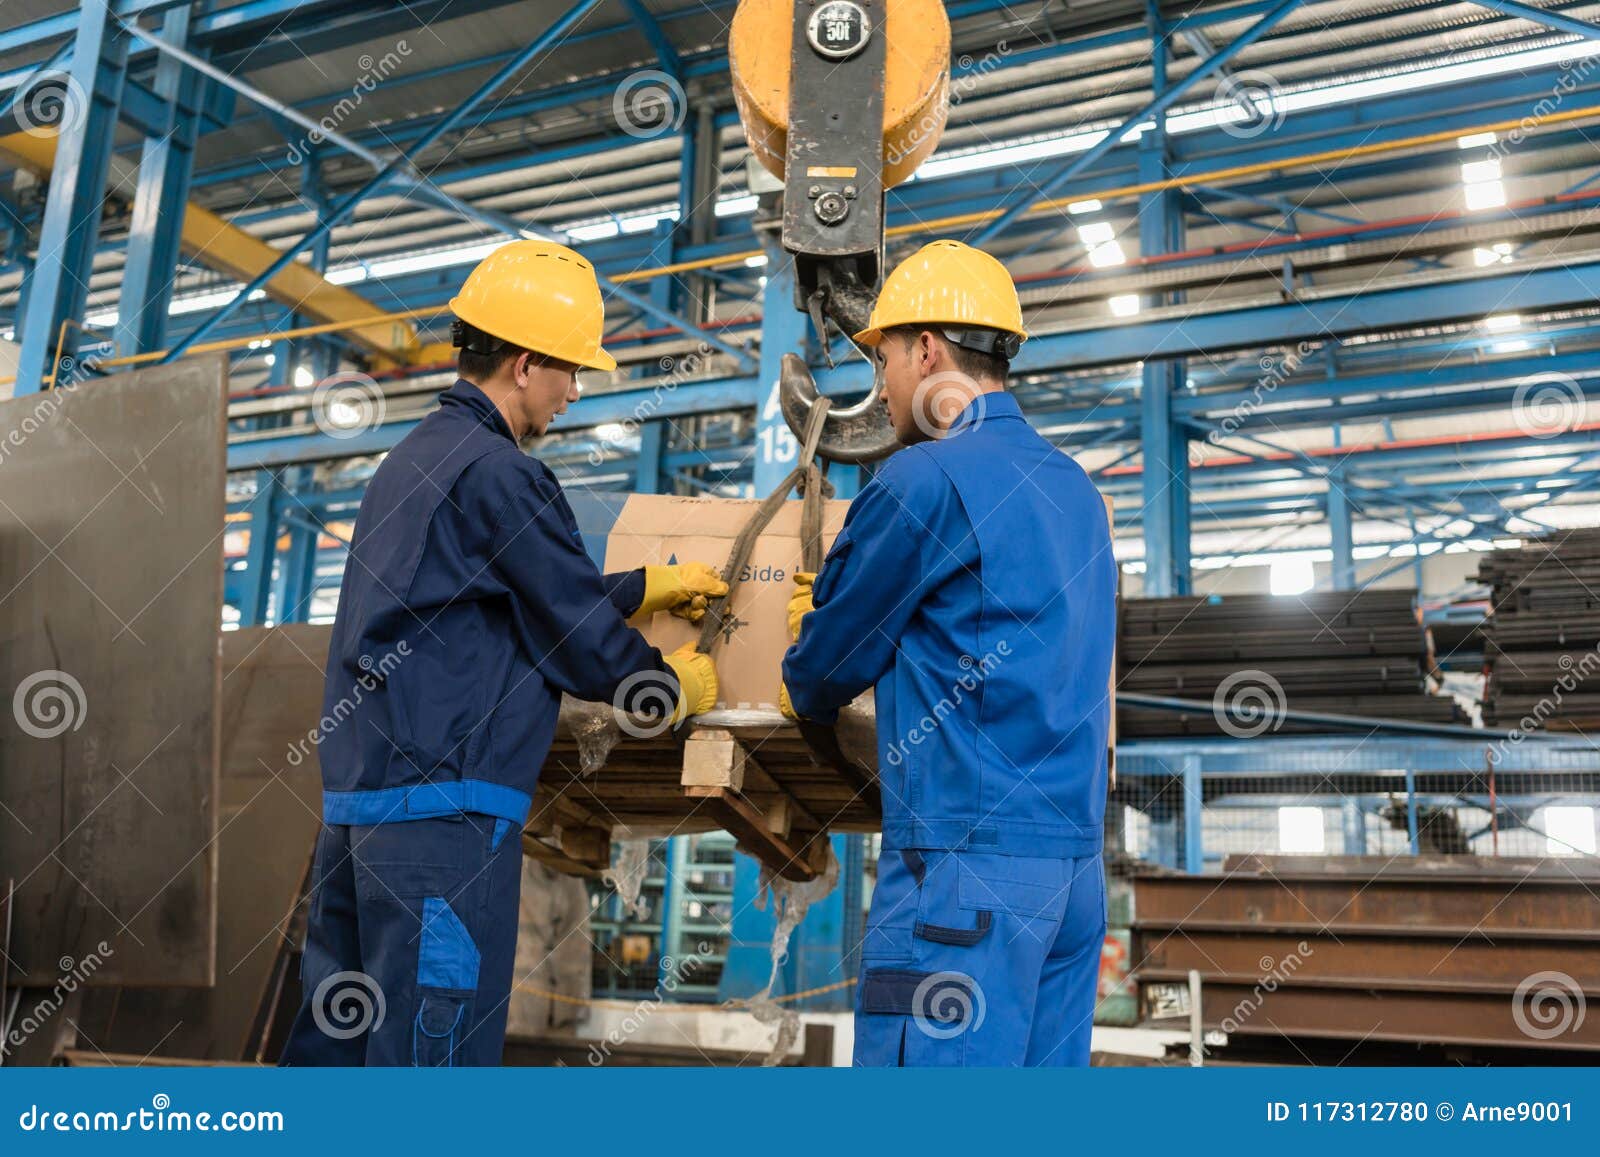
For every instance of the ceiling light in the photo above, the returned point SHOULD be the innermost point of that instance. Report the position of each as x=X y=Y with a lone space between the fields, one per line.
x=1108 y=254
x=1124 y=304
x=1486 y=195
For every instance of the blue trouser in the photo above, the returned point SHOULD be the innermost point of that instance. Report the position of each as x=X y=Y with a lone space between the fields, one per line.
x=980 y=959
x=410 y=944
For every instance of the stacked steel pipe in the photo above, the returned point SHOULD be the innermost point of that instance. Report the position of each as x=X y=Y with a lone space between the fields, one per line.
x=1543 y=650
x=1337 y=652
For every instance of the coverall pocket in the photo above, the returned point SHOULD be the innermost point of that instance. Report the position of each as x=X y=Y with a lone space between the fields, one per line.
x=437 y=1030
x=1018 y=886
x=447 y=980
x=940 y=916
x=409 y=859
x=914 y=1018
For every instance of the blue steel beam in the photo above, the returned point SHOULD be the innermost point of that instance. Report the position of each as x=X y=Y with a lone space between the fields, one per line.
x=155 y=228
x=641 y=302
x=540 y=44
x=1322 y=315
x=1015 y=207
x=1341 y=531
x=1387 y=114
x=1163 y=440
x=265 y=511
x=618 y=406
x=651 y=27
x=1435 y=376
x=59 y=285
x=783 y=330
x=1557 y=20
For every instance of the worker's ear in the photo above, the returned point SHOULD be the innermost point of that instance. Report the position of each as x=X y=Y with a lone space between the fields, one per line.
x=520 y=368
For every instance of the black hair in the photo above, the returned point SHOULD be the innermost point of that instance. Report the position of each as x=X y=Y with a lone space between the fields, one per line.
x=972 y=362
x=482 y=354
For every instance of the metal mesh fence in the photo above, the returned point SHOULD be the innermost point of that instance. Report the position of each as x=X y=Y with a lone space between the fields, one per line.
x=1192 y=806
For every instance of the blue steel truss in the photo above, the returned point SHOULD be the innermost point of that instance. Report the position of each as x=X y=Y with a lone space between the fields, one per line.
x=1387 y=337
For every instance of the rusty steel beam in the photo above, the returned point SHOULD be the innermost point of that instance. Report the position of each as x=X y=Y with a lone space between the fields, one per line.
x=1371 y=1014
x=1524 y=904
x=1477 y=963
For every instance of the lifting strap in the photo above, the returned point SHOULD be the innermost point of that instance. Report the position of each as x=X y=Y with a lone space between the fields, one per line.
x=809 y=477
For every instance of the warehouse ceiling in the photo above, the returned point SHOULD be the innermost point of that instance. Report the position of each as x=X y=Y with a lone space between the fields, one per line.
x=547 y=149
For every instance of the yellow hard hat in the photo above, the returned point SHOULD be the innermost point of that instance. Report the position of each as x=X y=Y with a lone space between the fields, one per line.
x=946 y=283
x=540 y=296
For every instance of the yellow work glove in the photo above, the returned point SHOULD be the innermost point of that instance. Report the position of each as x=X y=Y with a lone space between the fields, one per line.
x=783 y=703
x=800 y=602
x=683 y=589
x=697 y=681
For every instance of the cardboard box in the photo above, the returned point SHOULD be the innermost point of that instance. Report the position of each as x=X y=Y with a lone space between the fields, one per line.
x=660 y=530
x=657 y=529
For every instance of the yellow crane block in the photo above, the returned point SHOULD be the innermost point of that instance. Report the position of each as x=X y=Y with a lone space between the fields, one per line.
x=916 y=83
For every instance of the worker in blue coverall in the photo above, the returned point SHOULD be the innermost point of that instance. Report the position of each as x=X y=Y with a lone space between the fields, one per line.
x=973 y=586
x=468 y=608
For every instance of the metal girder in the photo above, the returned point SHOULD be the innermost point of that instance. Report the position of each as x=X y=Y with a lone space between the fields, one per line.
x=651 y=27
x=1341 y=531
x=155 y=232
x=783 y=331
x=1016 y=206
x=59 y=285
x=641 y=302
x=1163 y=440
x=379 y=180
x=1316 y=315
x=1557 y=20
x=222 y=246
x=618 y=406
x=1434 y=377
x=399 y=165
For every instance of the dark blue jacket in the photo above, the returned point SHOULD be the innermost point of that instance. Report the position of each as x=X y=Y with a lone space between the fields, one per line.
x=468 y=607
x=973 y=584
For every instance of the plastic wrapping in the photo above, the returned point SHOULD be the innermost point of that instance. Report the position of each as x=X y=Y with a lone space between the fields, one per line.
x=627 y=872
x=596 y=731
x=790 y=902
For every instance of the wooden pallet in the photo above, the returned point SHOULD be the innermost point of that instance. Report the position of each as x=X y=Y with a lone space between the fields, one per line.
x=749 y=773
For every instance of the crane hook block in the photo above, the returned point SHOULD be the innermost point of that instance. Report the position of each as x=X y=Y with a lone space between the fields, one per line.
x=916 y=90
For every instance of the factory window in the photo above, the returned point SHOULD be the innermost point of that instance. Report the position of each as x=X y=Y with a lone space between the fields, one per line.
x=1132 y=835
x=1292 y=575
x=1569 y=831
x=1300 y=830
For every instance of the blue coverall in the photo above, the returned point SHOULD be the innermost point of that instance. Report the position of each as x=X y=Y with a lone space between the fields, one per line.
x=973 y=586
x=468 y=607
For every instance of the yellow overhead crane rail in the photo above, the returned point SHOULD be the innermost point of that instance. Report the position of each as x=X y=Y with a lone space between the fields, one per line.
x=228 y=249
x=370 y=323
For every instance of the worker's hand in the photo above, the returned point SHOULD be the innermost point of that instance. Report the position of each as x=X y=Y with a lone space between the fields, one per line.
x=800 y=602
x=697 y=681
x=784 y=705
x=684 y=590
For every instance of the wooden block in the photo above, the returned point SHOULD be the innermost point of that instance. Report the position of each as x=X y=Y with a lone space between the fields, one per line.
x=779 y=815
x=587 y=845
x=553 y=857
x=713 y=759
